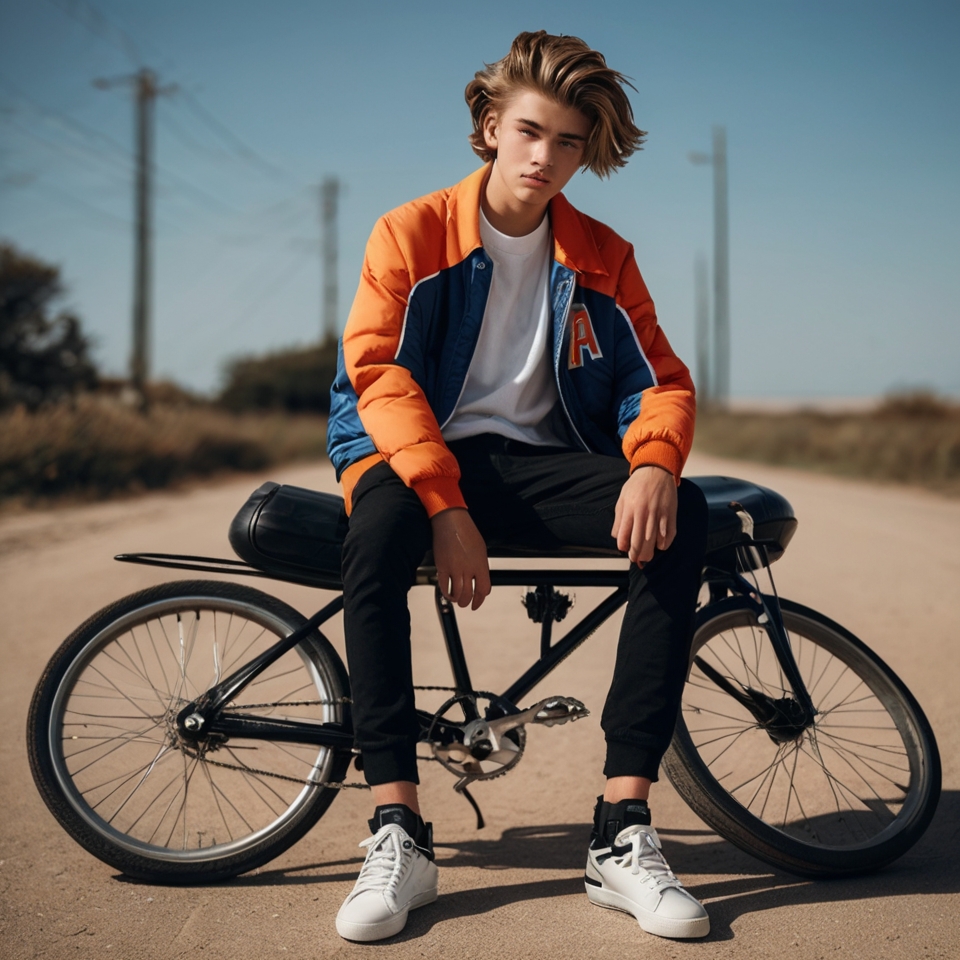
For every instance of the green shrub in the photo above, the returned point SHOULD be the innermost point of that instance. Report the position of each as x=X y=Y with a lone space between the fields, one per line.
x=297 y=380
x=43 y=357
x=98 y=445
x=909 y=438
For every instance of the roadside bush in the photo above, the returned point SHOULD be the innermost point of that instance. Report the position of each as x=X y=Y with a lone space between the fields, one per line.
x=97 y=445
x=908 y=438
x=43 y=357
x=297 y=380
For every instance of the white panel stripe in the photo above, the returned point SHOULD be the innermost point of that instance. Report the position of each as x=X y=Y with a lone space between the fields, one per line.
x=406 y=312
x=653 y=374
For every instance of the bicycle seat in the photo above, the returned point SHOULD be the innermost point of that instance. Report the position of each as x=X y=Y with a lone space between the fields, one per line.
x=773 y=520
x=297 y=534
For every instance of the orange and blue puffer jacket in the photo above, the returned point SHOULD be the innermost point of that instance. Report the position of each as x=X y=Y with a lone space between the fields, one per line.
x=414 y=324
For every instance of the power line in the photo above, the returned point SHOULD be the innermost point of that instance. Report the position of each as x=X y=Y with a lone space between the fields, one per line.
x=89 y=17
x=46 y=113
x=201 y=196
x=109 y=219
x=280 y=280
x=228 y=136
x=71 y=151
x=188 y=141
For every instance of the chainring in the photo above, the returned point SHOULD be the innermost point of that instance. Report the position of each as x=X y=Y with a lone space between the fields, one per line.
x=477 y=763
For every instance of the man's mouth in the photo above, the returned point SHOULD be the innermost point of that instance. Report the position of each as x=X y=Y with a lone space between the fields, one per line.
x=535 y=176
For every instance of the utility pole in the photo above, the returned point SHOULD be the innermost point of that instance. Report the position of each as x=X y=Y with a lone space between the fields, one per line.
x=721 y=269
x=146 y=91
x=701 y=286
x=329 y=197
x=720 y=380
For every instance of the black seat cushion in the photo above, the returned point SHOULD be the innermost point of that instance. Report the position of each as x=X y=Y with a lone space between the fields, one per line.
x=297 y=534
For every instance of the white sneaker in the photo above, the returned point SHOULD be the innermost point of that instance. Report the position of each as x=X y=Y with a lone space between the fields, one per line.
x=632 y=875
x=395 y=878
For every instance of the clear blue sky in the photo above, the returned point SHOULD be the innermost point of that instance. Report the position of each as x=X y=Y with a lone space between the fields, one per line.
x=844 y=159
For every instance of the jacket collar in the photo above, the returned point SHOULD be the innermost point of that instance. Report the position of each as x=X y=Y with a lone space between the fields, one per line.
x=574 y=244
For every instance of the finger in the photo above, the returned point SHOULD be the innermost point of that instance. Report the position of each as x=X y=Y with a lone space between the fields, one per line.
x=625 y=531
x=464 y=590
x=669 y=526
x=650 y=527
x=482 y=587
x=617 y=513
x=642 y=542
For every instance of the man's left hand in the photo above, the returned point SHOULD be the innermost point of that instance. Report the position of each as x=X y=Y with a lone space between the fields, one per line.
x=646 y=513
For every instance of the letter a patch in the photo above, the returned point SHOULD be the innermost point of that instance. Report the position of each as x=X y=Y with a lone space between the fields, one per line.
x=582 y=337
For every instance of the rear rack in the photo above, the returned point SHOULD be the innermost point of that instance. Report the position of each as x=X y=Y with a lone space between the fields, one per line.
x=180 y=561
x=426 y=574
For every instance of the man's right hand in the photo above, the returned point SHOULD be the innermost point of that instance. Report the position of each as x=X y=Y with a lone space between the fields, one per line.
x=460 y=555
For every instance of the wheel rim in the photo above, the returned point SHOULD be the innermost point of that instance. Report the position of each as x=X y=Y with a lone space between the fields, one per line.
x=851 y=780
x=113 y=739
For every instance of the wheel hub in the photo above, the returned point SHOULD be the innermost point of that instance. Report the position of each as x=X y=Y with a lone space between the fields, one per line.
x=783 y=719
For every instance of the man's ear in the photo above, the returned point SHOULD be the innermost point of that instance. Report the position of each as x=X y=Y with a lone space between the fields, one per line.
x=489 y=126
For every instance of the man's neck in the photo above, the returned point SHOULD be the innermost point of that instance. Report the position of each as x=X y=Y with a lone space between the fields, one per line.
x=513 y=219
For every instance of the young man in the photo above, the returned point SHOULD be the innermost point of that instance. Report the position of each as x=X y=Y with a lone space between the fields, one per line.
x=503 y=379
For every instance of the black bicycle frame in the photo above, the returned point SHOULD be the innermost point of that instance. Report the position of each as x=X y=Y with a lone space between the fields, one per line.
x=205 y=716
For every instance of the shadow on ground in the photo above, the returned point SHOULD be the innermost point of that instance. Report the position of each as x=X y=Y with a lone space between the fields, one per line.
x=744 y=885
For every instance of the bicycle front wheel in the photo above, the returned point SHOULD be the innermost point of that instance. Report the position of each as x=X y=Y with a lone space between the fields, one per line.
x=851 y=793
x=107 y=759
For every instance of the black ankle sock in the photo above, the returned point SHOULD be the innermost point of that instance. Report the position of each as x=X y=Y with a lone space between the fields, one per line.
x=610 y=818
x=421 y=833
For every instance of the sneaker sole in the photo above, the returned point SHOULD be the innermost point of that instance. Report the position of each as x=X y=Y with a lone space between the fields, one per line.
x=658 y=926
x=366 y=932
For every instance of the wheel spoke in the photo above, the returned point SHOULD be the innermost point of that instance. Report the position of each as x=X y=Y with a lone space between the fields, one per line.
x=129 y=766
x=843 y=782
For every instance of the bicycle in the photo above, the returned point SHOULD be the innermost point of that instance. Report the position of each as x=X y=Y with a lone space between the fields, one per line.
x=195 y=730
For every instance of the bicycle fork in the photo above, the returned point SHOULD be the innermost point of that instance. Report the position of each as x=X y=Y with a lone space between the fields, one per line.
x=784 y=718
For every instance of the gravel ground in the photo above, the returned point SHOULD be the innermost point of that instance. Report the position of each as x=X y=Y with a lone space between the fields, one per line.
x=883 y=561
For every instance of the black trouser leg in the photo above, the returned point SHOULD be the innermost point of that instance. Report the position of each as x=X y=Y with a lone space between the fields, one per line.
x=529 y=495
x=654 y=649
x=388 y=535
x=524 y=494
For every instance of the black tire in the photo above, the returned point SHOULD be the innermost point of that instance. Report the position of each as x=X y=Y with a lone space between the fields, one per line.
x=852 y=793
x=106 y=759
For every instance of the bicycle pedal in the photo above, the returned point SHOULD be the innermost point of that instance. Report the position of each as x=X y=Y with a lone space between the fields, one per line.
x=556 y=710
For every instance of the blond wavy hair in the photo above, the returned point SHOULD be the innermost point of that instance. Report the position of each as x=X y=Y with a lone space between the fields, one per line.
x=567 y=70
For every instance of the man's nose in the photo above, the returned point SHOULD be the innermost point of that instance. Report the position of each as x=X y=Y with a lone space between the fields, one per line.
x=543 y=155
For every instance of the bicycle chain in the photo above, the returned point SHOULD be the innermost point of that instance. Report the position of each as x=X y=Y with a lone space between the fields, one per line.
x=321 y=703
x=331 y=784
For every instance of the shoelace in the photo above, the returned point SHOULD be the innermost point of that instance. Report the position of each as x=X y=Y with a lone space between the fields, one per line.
x=654 y=864
x=386 y=861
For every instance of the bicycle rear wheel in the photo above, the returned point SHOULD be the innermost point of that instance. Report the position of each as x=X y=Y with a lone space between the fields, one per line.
x=109 y=764
x=851 y=793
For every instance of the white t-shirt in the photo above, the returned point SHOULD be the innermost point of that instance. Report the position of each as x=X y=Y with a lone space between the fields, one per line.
x=510 y=388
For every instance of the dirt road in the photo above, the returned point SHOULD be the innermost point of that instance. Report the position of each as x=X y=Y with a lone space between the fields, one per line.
x=884 y=562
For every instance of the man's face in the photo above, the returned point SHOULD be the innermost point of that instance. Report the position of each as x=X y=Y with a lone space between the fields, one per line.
x=539 y=146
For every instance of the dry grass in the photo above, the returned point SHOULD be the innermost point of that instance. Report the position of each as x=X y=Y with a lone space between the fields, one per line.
x=911 y=439
x=98 y=446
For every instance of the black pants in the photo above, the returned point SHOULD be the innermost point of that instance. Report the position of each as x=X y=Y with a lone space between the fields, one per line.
x=542 y=497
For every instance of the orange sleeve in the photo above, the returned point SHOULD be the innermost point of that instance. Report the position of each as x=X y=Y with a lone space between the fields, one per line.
x=662 y=433
x=392 y=406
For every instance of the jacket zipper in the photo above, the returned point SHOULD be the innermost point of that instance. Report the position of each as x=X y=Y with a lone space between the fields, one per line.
x=463 y=385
